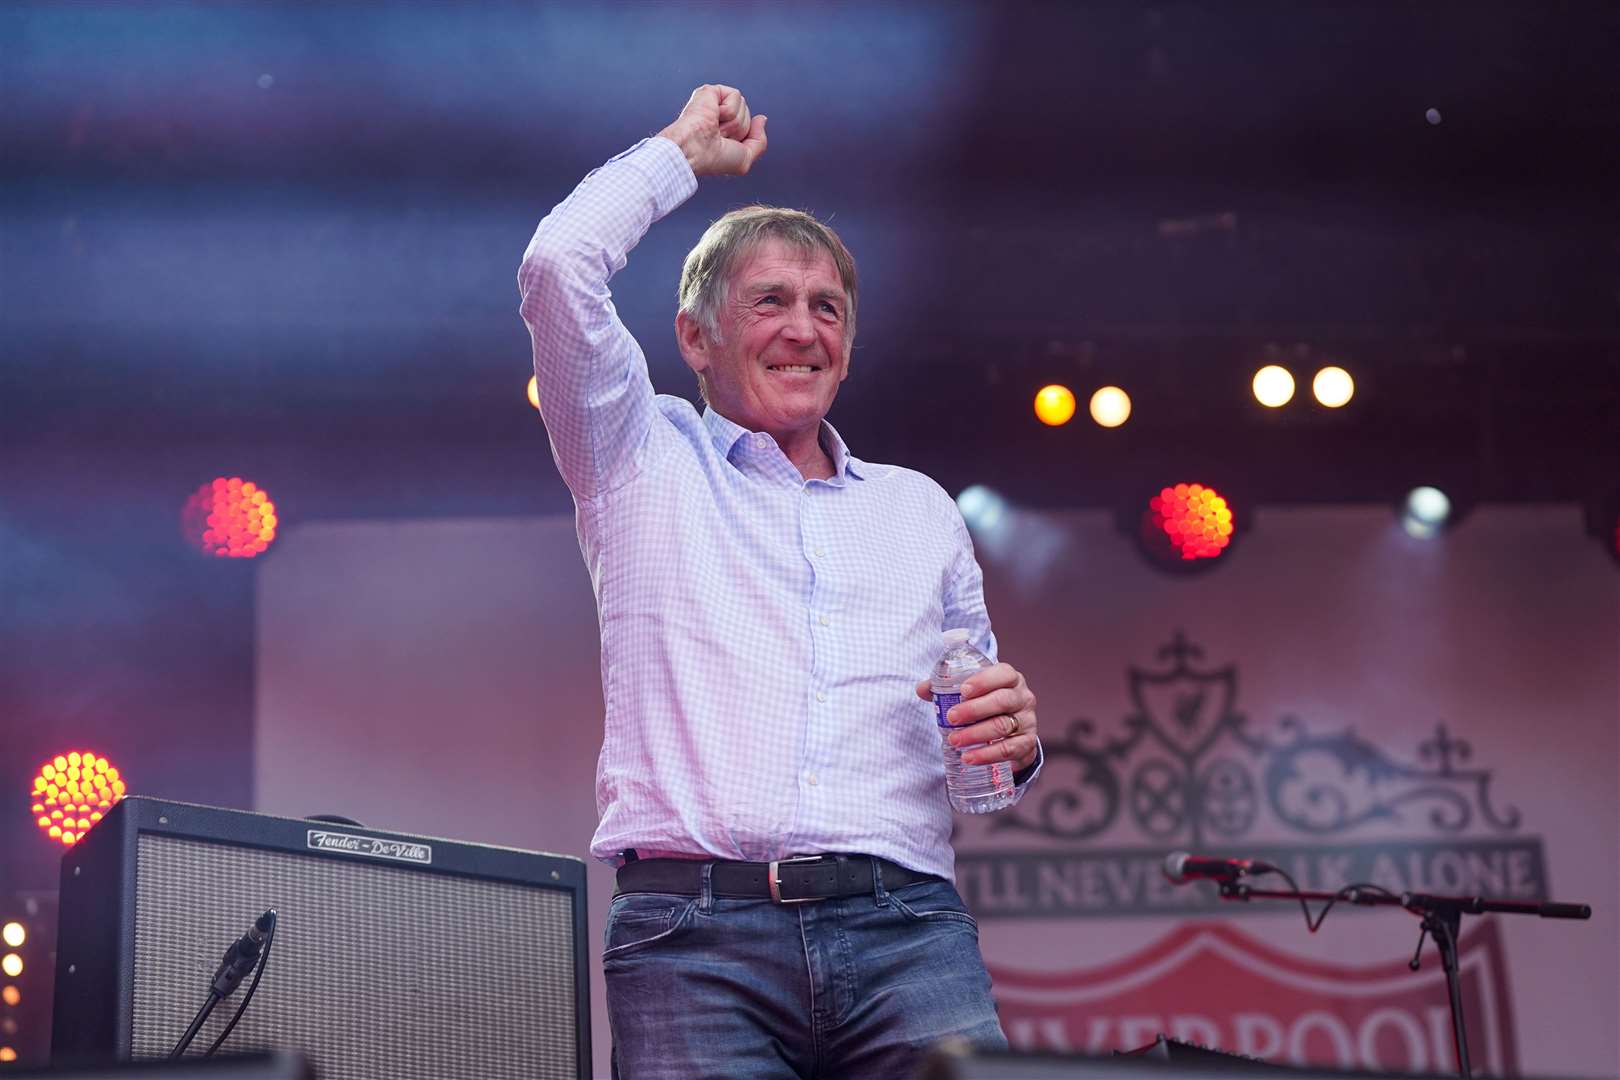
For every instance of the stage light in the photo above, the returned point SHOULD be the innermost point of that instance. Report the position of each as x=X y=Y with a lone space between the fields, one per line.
x=1023 y=545
x=1187 y=523
x=230 y=518
x=7 y=1054
x=11 y=996
x=1273 y=386
x=534 y=391
x=1110 y=406
x=1333 y=387
x=982 y=508
x=11 y=964
x=1602 y=513
x=71 y=792
x=1425 y=512
x=1054 y=405
x=14 y=934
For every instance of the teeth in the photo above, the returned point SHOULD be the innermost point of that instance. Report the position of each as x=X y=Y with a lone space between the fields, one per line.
x=802 y=368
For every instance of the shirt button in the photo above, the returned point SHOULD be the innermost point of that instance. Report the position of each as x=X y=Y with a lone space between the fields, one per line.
x=824 y=620
x=819 y=553
x=813 y=780
x=759 y=440
x=821 y=695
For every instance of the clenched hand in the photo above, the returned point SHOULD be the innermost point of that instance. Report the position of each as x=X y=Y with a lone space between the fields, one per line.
x=717 y=133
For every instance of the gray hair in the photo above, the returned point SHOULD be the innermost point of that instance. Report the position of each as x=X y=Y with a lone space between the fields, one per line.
x=706 y=275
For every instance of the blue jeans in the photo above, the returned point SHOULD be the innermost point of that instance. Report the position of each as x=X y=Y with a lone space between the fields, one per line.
x=705 y=986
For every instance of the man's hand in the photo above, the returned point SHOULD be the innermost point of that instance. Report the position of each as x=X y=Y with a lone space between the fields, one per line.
x=716 y=132
x=997 y=704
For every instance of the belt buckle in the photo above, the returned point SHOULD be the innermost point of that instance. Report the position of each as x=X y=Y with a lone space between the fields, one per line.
x=774 y=880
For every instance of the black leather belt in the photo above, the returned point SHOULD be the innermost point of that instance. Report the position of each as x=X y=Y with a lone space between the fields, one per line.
x=786 y=881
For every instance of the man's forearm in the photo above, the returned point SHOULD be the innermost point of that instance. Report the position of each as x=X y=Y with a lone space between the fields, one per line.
x=595 y=394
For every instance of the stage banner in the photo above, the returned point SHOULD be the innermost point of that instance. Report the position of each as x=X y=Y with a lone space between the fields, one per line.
x=1336 y=698
x=1347 y=703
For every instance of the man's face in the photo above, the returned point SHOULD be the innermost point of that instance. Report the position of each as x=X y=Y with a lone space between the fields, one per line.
x=784 y=342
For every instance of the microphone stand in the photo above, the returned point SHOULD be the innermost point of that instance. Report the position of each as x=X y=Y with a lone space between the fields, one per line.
x=1441 y=920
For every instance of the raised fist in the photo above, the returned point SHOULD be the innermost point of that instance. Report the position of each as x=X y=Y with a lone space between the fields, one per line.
x=717 y=133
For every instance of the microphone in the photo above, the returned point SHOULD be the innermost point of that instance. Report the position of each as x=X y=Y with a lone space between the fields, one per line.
x=242 y=955
x=1181 y=867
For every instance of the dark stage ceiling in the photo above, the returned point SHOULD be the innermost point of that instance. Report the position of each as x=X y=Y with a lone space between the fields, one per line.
x=280 y=239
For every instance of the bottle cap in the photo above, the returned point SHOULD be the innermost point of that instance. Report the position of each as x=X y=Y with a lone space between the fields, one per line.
x=956 y=636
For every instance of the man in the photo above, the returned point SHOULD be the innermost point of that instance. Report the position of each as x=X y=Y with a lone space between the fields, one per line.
x=770 y=782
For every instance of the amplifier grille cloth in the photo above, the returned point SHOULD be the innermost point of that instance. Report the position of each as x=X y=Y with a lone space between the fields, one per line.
x=376 y=970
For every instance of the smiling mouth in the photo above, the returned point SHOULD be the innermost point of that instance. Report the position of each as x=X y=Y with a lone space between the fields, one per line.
x=793 y=369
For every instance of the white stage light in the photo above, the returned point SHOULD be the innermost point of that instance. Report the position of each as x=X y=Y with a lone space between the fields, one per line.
x=1426 y=512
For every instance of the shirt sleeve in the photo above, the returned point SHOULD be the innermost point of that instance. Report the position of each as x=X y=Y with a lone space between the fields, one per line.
x=964 y=606
x=595 y=393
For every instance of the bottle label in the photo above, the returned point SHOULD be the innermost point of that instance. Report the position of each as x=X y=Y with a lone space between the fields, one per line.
x=942 y=705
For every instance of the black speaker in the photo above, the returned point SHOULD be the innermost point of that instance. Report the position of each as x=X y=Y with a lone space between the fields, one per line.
x=247 y=1067
x=393 y=955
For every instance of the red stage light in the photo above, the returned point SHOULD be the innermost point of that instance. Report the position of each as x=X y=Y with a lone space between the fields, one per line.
x=1187 y=522
x=231 y=518
x=72 y=792
x=1603 y=521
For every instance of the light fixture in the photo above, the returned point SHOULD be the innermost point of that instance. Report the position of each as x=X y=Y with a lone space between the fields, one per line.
x=982 y=508
x=229 y=517
x=1273 y=386
x=1186 y=526
x=1110 y=407
x=1054 y=405
x=1603 y=522
x=1425 y=512
x=1333 y=387
x=72 y=792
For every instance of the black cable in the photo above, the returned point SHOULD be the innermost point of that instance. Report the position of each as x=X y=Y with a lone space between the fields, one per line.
x=258 y=973
x=196 y=1024
x=1313 y=925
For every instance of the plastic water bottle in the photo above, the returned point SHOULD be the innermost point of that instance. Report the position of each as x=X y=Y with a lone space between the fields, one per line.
x=973 y=789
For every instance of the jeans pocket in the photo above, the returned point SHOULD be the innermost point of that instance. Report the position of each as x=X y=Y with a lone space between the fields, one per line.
x=637 y=920
x=933 y=902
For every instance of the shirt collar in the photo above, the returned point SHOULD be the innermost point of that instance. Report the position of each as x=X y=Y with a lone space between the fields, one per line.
x=726 y=434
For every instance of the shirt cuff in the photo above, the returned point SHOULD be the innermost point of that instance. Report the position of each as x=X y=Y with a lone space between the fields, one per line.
x=1024 y=776
x=666 y=171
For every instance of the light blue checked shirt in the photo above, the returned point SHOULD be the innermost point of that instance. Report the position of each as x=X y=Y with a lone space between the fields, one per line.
x=762 y=635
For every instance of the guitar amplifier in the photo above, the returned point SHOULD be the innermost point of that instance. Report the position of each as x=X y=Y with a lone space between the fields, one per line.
x=245 y=1067
x=393 y=955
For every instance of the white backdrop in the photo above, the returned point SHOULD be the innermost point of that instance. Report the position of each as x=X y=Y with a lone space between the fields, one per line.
x=441 y=677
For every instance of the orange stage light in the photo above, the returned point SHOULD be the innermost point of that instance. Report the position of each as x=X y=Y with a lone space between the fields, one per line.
x=534 y=391
x=1187 y=522
x=65 y=806
x=230 y=518
x=1054 y=405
